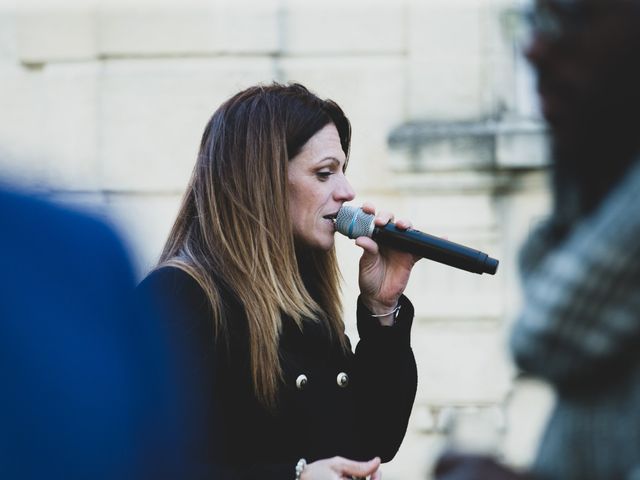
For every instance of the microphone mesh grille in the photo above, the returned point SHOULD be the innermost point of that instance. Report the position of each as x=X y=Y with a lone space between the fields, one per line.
x=353 y=222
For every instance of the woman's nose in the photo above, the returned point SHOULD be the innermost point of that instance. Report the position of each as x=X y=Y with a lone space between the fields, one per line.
x=345 y=191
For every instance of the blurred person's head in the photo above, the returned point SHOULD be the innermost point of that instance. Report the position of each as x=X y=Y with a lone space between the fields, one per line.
x=257 y=215
x=585 y=53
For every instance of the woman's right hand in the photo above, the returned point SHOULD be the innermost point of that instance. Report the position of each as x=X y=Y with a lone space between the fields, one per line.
x=338 y=468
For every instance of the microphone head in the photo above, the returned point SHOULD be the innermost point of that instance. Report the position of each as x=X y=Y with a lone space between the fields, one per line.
x=353 y=222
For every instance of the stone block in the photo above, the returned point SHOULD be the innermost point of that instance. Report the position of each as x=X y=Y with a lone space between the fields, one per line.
x=418 y=182
x=461 y=363
x=447 y=89
x=522 y=145
x=153 y=113
x=446 y=29
x=55 y=33
x=459 y=146
x=354 y=27
x=148 y=30
x=8 y=44
x=415 y=457
x=458 y=153
x=449 y=43
x=70 y=128
x=500 y=55
x=248 y=26
x=526 y=97
x=500 y=78
x=528 y=408
x=520 y=211
x=452 y=215
x=510 y=75
x=193 y=28
x=48 y=129
x=23 y=154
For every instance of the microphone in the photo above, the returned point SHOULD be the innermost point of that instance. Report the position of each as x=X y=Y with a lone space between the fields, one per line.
x=354 y=223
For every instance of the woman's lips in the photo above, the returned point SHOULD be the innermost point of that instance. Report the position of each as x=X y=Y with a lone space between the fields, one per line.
x=332 y=220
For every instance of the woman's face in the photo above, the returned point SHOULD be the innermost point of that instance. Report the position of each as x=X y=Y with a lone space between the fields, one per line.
x=318 y=188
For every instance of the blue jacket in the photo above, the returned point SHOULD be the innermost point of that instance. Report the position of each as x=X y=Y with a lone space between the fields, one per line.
x=86 y=381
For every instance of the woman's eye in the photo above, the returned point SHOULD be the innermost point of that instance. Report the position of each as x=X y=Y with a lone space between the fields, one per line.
x=323 y=176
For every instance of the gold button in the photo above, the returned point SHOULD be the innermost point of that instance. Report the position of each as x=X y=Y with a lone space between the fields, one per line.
x=342 y=380
x=301 y=381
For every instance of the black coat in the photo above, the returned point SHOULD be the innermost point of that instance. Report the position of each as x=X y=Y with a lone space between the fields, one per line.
x=362 y=415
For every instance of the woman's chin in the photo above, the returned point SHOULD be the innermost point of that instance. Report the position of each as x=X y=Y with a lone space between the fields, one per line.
x=316 y=244
x=326 y=245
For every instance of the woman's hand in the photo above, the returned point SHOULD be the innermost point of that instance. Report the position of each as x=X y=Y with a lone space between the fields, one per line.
x=384 y=272
x=338 y=468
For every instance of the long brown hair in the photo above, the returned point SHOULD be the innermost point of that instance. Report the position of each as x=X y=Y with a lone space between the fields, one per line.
x=234 y=228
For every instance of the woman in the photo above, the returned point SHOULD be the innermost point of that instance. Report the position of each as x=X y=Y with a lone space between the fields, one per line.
x=250 y=282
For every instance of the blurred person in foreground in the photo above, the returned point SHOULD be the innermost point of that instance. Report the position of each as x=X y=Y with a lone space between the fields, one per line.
x=89 y=384
x=580 y=325
x=250 y=281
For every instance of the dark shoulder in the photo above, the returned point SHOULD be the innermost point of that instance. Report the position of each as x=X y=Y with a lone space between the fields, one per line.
x=179 y=296
x=171 y=281
x=175 y=295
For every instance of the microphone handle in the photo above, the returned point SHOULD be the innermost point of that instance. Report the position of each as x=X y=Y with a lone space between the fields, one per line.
x=435 y=248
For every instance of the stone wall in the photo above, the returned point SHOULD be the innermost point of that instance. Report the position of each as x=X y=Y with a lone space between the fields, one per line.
x=103 y=105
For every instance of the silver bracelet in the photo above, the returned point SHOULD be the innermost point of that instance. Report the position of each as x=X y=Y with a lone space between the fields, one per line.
x=394 y=311
x=300 y=466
